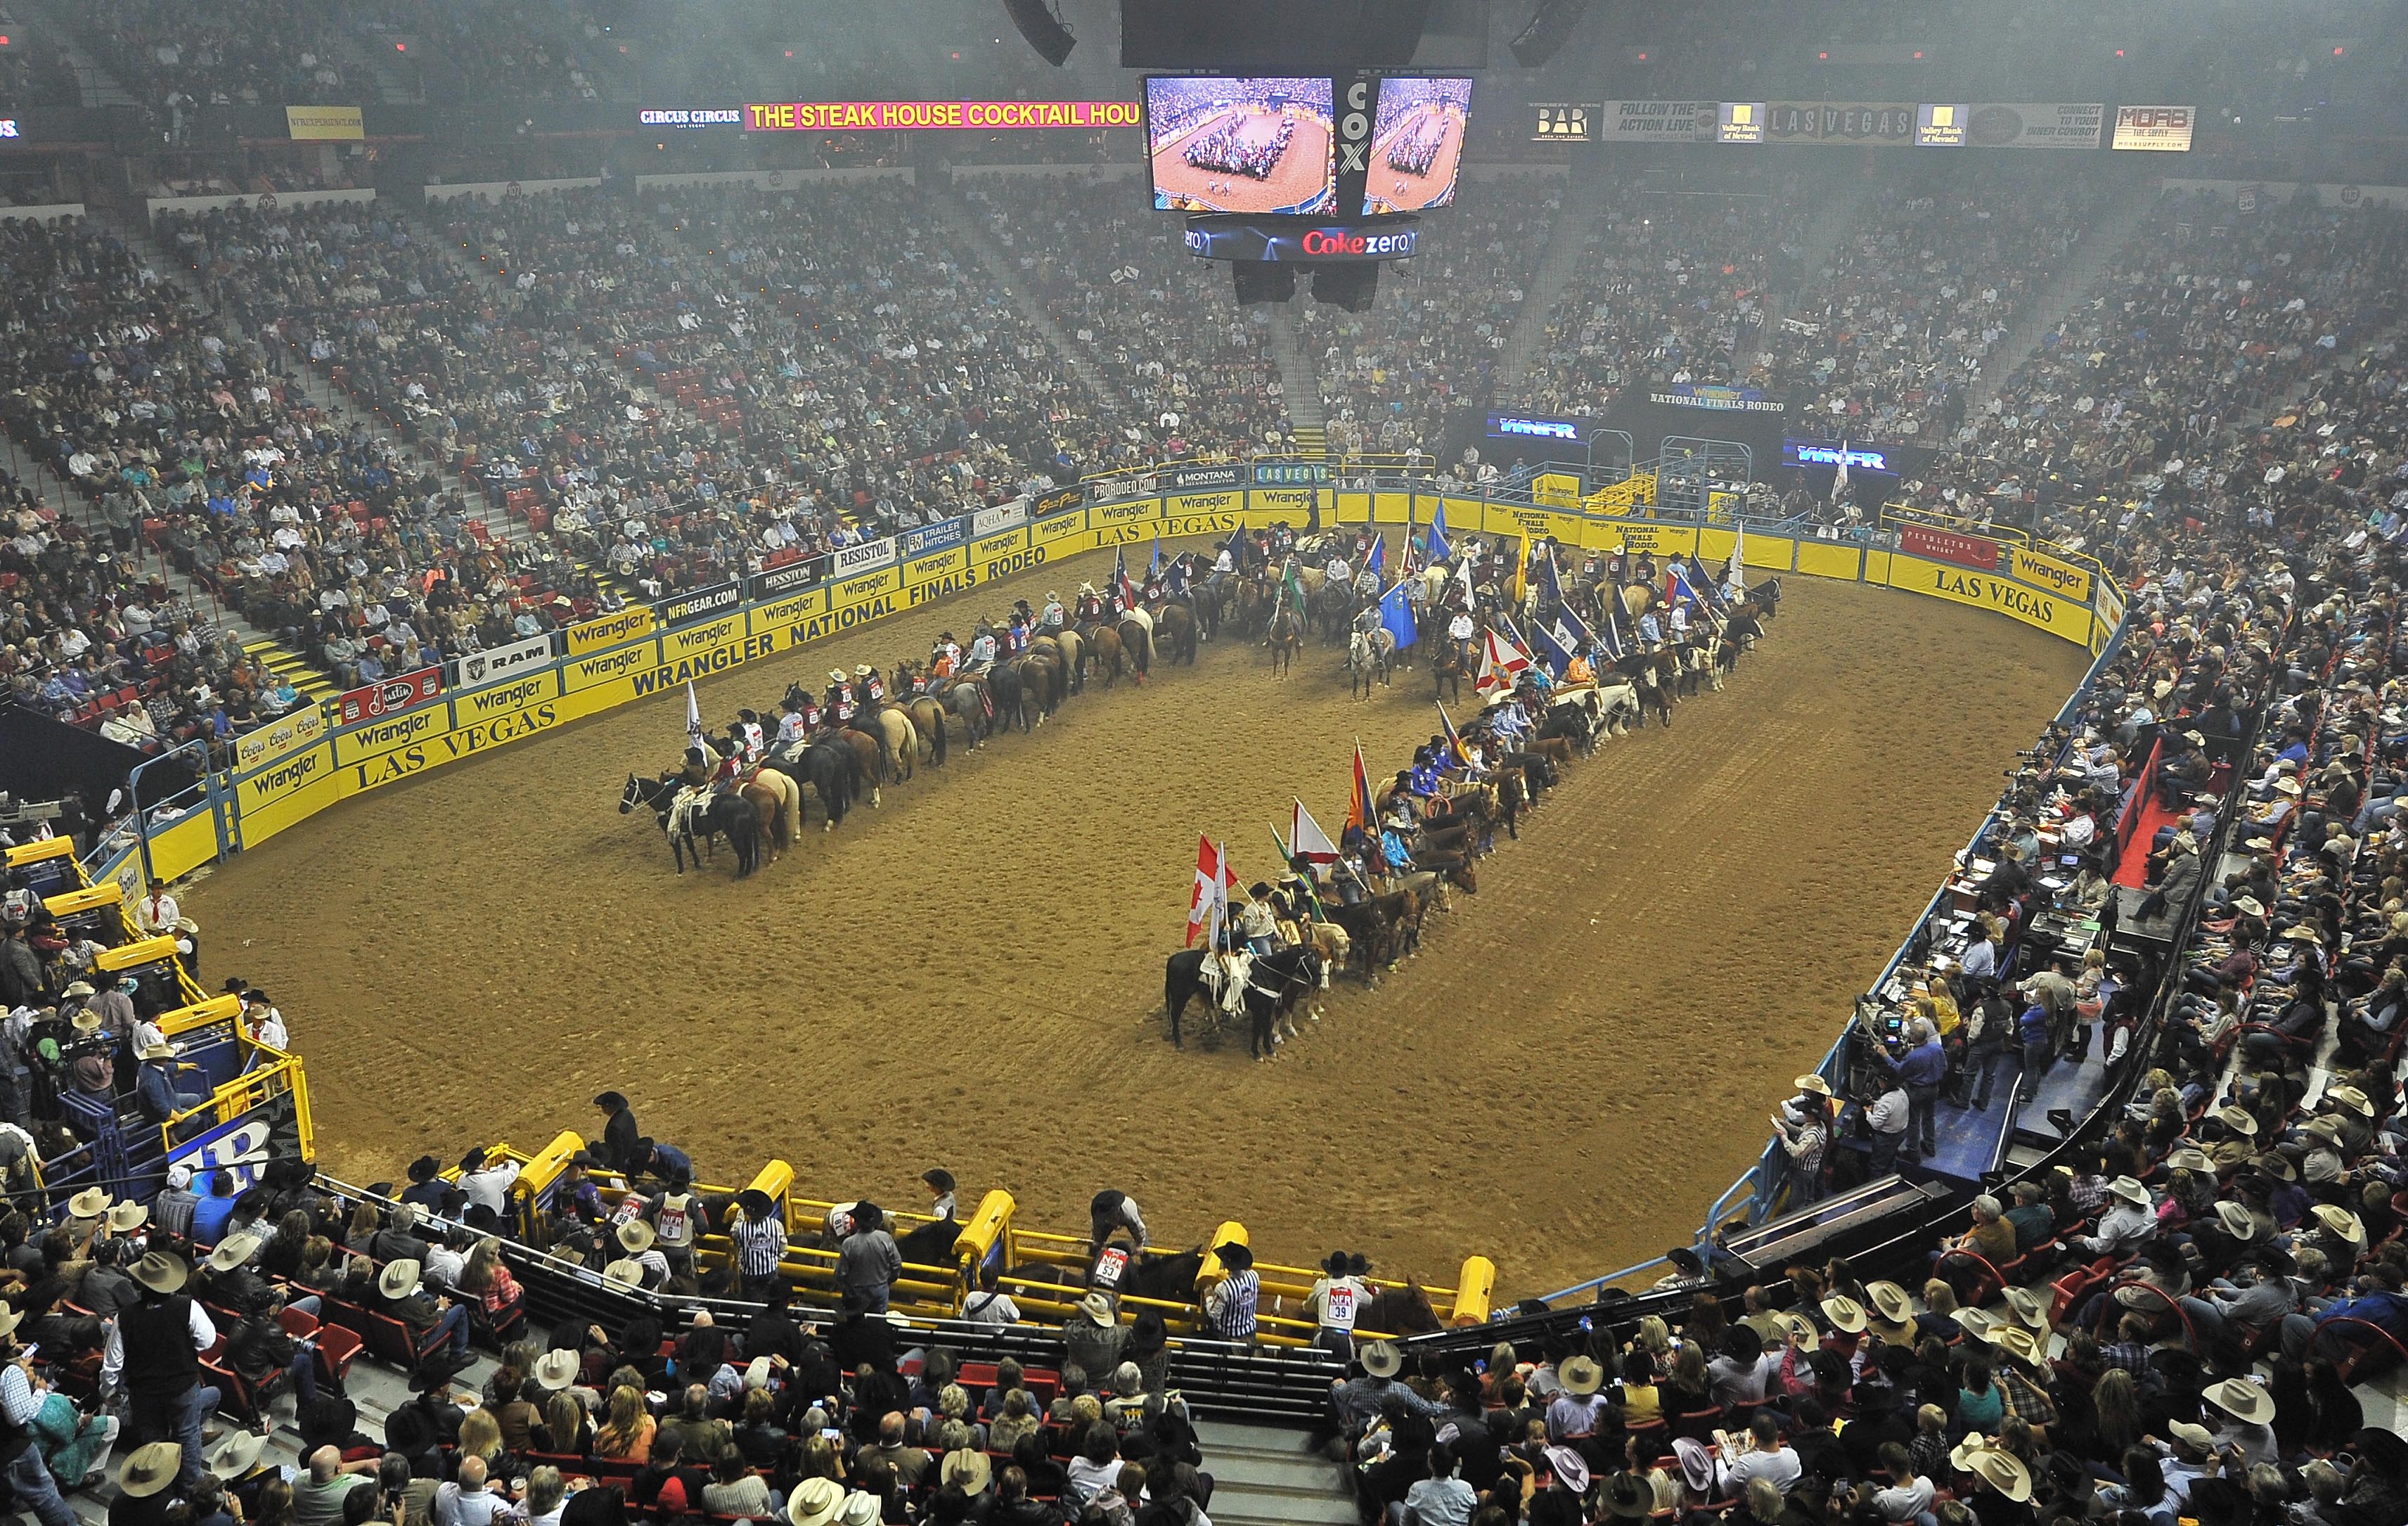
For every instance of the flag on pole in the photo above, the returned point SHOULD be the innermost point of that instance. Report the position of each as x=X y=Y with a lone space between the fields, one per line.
x=1377 y=560
x=1517 y=582
x=1463 y=576
x=1436 y=544
x=1677 y=584
x=1839 y=478
x=1307 y=841
x=1397 y=615
x=1210 y=899
x=693 y=718
x=1735 y=575
x=1454 y=741
x=1154 y=568
x=1121 y=577
x=1550 y=579
x=1500 y=665
x=1513 y=639
x=1360 y=813
x=1292 y=588
x=1564 y=642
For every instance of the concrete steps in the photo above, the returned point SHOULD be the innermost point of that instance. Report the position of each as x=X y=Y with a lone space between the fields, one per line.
x=967 y=225
x=1271 y=1475
x=1299 y=384
x=2075 y=285
x=1567 y=240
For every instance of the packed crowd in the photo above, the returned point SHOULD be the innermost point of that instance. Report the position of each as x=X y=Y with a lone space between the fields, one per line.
x=1670 y=290
x=238 y=52
x=1886 y=340
x=475 y=50
x=1430 y=344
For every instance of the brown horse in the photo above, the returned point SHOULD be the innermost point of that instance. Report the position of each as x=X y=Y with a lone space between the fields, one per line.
x=1286 y=640
x=779 y=801
x=864 y=749
x=1447 y=666
x=1401 y=1310
x=1137 y=641
x=1175 y=628
x=928 y=719
x=1108 y=653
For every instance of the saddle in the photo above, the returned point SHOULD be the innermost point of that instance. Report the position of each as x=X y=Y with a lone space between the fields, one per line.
x=1224 y=975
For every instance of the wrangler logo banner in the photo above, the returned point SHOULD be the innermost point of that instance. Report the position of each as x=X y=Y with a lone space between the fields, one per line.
x=609 y=630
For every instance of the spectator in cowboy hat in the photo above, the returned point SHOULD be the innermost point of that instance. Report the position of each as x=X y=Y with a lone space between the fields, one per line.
x=436 y=1325
x=144 y=1483
x=152 y=1356
x=617 y=1148
x=2241 y=1413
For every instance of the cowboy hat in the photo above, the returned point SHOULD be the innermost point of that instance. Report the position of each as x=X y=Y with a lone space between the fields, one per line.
x=860 y=669
x=1099 y=1307
x=624 y=1274
x=1383 y=1359
x=76 y=988
x=2238 y=1120
x=2236 y=1220
x=1801 y=1330
x=2028 y=1308
x=2130 y=1190
x=1814 y=1084
x=2324 y=1127
x=2352 y=1099
x=756 y=1204
x=2005 y=1472
x=2273 y=1165
x=150 y=1469
x=160 y=1271
x=814 y=1502
x=1844 y=1313
x=160 y=1050
x=235 y=1250
x=1890 y=1301
x=92 y=1202
x=555 y=1370
x=836 y=674
x=1581 y=1376
x=1627 y=1495
x=2243 y=1400
x=86 y=1021
x=2342 y=1223
x=1696 y=1464
x=860 y=1509
x=1976 y=1322
x=399 y=1278
x=966 y=1470
x=1569 y=1467
x=756 y=1372
x=2018 y=1343
x=2190 y=1158
x=636 y=1236
x=612 y=1099
x=2249 y=906
x=2304 y=934
x=237 y=1454
x=2287 y=786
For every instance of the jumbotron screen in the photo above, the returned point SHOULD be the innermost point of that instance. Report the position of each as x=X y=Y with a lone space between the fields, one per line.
x=1259 y=145
x=1418 y=144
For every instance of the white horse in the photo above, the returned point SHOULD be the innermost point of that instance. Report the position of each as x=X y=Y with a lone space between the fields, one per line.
x=1369 y=651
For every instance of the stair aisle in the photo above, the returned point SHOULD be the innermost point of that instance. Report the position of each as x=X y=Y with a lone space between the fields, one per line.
x=1271 y=1475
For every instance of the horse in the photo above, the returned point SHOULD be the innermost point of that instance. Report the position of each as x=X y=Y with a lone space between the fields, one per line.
x=1401 y=1311
x=780 y=800
x=1136 y=639
x=1333 y=605
x=1251 y=605
x=1275 y=980
x=1110 y=654
x=1073 y=648
x=1285 y=641
x=898 y=741
x=1041 y=686
x=1384 y=928
x=1176 y=625
x=867 y=759
x=1367 y=652
x=684 y=811
x=829 y=768
x=1447 y=669
x=1182 y=981
x=1211 y=600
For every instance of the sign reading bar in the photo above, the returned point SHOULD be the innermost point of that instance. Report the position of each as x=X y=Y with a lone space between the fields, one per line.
x=2155 y=129
x=610 y=629
x=1564 y=125
x=324 y=124
x=935 y=116
x=2037 y=124
x=1939 y=546
x=392 y=696
x=697 y=604
x=1940 y=126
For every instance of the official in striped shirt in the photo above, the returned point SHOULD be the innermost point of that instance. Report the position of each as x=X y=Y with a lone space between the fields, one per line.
x=1229 y=1304
x=760 y=1237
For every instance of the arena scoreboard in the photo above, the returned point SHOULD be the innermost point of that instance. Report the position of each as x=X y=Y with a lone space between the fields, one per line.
x=1273 y=241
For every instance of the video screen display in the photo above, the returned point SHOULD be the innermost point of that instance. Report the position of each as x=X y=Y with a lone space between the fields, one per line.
x=1418 y=144
x=1257 y=145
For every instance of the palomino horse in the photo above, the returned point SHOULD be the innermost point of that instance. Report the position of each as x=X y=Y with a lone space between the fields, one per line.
x=1073 y=650
x=1368 y=653
x=1286 y=640
x=928 y=719
x=780 y=800
x=898 y=741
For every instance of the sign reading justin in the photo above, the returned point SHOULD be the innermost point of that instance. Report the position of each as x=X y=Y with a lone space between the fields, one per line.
x=392 y=696
x=1939 y=546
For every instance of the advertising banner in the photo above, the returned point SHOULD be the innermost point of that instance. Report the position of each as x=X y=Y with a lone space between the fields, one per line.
x=1941 y=545
x=1564 y=123
x=936 y=116
x=861 y=558
x=781 y=581
x=1738 y=121
x=1657 y=122
x=1051 y=503
x=301 y=727
x=1525 y=426
x=2048 y=572
x=1004 y=516
x=697 y=604
x=1940 y=126
x=391 y=697
x=497 y=663
x=1053 y=532
x=1291 y=473
x=935 y=536
x=610 y=629
x=2037 y=124
x=323 y=123
x=2153 y=129
x=1179 y=479
x=1873 y=124
x=1720 y=398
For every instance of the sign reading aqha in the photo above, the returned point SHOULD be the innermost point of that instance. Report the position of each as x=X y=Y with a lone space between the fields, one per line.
x=935 y=116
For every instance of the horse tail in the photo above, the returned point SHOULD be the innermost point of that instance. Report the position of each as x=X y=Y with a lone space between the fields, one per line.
x=937 y=741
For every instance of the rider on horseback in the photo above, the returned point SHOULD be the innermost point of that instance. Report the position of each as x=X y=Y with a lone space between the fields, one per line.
x=1050 y=620
x=982 y=652
x=837 y=707
x=1017 y=632
x=946 y=656
x=797 y=716
x=1091 y=605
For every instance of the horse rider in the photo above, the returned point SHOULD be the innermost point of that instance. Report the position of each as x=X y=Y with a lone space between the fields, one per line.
x=704 y=769
x=1367 y=583
x=1510 y=723
x=1049 y=619
x=1259 y=920
x=1020 y=626
x=748 y=726
x=796 y=715
x=1337 y=574
x=1150 y=595
x=1178 y=579
x=980 y=656
x=1367 y=620
x=1651 y=635
x=837 y=708
x=1091 y=605
x=1460 y=630
x=946 y=655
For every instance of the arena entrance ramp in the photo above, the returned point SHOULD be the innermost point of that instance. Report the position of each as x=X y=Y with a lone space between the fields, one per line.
x=1273 y=1475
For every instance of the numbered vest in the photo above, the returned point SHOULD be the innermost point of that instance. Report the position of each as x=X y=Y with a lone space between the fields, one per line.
x=674 y=1222
x=1110 y=1268
x=1338 y=1307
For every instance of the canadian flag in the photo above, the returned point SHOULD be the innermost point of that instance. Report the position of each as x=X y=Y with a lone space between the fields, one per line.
x=1500 y=665
x=1210 y=902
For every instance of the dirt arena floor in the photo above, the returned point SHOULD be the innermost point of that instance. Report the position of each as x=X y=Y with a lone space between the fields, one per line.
x=1390 y=190
x=1581 y=1058
x=1295 y=181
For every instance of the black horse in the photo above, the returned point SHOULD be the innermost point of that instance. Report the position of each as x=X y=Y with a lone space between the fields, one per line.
x=830 y=768
x=689 y=831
